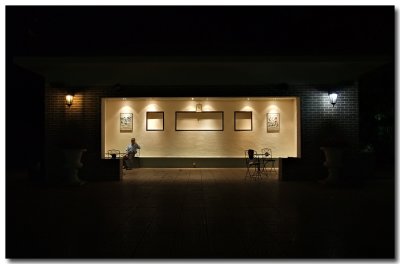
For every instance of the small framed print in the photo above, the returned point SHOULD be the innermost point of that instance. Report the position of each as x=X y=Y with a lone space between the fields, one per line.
x=125 y=122
x=198 y=108
x=273 y=122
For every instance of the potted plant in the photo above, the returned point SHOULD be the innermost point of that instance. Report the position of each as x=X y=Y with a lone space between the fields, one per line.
x=367 y=161
x=72 y=148
x=333 y=144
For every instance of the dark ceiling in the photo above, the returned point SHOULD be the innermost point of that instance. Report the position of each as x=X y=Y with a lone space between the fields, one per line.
x=200 y=30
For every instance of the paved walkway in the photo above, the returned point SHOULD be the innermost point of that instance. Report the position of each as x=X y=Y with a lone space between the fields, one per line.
x=200 y=213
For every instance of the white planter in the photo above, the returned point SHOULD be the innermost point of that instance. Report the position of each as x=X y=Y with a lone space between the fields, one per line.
x=72 y=164
x=334 y=163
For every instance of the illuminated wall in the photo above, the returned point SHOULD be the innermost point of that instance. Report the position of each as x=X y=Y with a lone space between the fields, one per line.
x=226 y=143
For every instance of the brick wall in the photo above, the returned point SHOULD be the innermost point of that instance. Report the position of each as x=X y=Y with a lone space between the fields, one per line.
x=85 y=116
x=317 y=113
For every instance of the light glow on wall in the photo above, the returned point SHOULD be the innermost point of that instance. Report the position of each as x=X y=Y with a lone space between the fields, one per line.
x=126 y=109
x=152 y=107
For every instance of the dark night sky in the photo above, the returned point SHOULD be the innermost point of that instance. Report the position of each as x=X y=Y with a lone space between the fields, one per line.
x=199 y=30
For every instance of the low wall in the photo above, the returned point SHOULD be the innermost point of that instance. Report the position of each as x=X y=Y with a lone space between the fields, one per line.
x=193 y=162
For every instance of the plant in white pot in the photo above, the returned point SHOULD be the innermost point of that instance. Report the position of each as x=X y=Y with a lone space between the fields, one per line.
x=72 y=147
x=333 y=143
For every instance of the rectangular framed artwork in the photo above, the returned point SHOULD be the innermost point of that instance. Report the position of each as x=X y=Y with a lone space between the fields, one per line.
x=243 y=120
x=273 y=122
x=125 y=122
x=199 y=121
x=154 y=121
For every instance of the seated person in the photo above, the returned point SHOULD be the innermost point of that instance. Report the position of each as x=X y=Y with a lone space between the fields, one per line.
x=131 y=151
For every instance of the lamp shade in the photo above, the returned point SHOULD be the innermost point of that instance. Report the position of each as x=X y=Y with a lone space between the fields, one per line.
x=333 y=98
x=69 y=99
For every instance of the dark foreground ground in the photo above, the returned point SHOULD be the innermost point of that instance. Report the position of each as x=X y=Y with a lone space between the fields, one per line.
x=200 y=213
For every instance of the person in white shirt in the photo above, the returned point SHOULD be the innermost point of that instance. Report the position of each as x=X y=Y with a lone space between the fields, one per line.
x=131 y=151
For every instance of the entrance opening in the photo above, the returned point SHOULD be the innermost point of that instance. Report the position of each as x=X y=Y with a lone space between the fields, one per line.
x=208 y=132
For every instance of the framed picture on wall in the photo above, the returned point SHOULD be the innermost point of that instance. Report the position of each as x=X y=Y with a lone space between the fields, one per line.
x=125 y=122
x=154 y=121
x=199 y=121
x=243 y=121
x=198 y=108
x=273 y=122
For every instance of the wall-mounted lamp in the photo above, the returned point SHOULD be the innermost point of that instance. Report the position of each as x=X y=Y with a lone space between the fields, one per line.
x=69 y=98
x=332 y=98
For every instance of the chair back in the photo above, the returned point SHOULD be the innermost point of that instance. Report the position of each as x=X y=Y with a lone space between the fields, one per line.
x=114 y=153
x=267 y=152
x=249 y=155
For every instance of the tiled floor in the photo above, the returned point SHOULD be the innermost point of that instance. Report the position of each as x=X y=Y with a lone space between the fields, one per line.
x=200 y=213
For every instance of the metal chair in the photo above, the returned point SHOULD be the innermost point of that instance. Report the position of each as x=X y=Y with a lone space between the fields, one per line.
x=113 y=153
x=268 y=159
x=252 y=164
